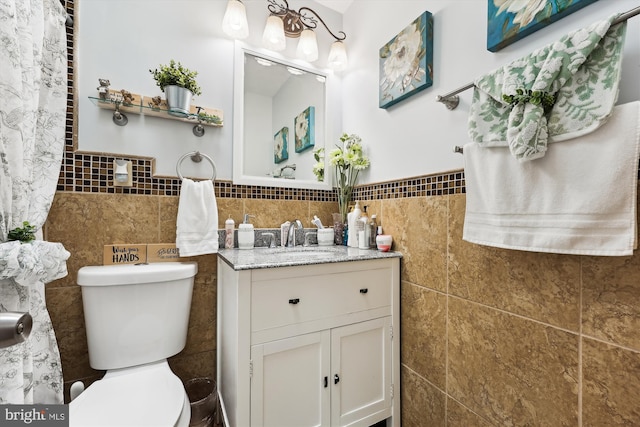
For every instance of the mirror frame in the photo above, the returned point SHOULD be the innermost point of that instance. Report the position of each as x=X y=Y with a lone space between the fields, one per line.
x=239 y=177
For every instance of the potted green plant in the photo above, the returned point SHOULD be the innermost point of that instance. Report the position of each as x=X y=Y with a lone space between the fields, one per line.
x=179 y=85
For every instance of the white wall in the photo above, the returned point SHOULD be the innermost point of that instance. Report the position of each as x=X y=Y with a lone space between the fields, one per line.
x=122 y=39
x=416 y=136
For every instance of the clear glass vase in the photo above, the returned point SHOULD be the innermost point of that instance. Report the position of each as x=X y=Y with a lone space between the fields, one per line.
x=338 y=228
x=344 y=197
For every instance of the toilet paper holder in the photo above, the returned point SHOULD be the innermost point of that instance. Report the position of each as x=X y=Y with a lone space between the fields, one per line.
x=15 y=328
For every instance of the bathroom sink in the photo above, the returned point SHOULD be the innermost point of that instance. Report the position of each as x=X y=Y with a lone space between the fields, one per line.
x=304 y=250
x=302 y=254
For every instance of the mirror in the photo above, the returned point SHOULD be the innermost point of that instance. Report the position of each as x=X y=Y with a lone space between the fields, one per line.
x=280 y=119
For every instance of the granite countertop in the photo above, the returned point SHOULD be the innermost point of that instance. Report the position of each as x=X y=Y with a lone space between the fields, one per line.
x=261 y=257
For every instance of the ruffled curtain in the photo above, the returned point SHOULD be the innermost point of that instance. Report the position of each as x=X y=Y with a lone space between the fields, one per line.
x=33 y=91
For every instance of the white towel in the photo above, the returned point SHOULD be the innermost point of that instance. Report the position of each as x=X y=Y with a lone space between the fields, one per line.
x=197 y=224
x=578 y=199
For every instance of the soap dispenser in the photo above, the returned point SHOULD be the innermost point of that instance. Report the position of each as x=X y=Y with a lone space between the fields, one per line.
x=246 y=235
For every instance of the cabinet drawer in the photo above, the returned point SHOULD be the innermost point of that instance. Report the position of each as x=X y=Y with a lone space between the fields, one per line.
x=289 y=300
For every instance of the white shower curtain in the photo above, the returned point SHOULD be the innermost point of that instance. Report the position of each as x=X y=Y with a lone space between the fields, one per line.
x=33 y=93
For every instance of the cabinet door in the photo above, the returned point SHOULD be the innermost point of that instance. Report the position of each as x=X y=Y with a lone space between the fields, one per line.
x=361 y=372
x=290 y=384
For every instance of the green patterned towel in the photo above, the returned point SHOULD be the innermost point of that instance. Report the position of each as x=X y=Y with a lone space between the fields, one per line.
x=558 y=92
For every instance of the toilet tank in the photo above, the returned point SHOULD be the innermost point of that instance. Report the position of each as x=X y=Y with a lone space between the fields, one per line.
x=136 y=314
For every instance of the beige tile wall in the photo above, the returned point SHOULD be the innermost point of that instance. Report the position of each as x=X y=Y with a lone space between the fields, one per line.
x=490 y=337
x=494 y=337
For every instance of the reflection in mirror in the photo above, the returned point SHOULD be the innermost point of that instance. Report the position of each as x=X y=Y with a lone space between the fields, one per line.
x=279 y=120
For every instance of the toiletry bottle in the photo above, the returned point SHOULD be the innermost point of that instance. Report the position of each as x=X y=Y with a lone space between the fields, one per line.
x=246 y=234
x=354 y=227
x=373 y=231
x=229 y=226
x=363 y=233
x=358 y=225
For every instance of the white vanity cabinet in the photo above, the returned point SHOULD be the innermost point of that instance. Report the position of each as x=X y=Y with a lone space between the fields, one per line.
x=310 y=345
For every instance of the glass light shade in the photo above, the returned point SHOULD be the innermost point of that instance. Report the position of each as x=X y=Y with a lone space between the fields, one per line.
x=234 y=23
x=307 y=46
x=338 y=56
x=273 y=36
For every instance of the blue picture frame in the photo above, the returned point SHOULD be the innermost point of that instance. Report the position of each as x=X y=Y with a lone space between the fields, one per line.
x=281 y=145
x=505 y=27
x=305 y=129
x=406 y=62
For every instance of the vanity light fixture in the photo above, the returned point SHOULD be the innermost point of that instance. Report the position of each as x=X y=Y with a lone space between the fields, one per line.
x=284 y=22
x=234 y=22
x=300 y=24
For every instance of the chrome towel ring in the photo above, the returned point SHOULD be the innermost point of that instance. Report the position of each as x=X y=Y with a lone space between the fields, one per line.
x=197 y=157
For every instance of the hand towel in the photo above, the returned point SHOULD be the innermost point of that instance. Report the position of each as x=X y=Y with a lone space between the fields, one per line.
x=578 y=199
x=197 y=224
x=563 y=90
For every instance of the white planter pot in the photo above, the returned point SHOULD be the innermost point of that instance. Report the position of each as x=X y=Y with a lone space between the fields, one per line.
x=178 y=100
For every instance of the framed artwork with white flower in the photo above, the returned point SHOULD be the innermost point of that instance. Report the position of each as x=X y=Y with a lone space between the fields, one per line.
x=406 y=62
x=281 y=145
x=511 y=20
x=305 y=129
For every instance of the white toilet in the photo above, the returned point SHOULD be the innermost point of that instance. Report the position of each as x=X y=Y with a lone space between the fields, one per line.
x=136 y=317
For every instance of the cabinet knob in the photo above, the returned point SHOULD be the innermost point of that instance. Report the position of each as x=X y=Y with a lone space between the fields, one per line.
x=336 y=379
x=294 y=301
x=364 y=290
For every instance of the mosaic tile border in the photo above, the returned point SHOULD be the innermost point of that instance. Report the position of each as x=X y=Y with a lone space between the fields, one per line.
x=92 y=172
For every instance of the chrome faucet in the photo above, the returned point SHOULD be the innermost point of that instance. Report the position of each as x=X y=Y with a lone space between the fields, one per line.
x=291 y=236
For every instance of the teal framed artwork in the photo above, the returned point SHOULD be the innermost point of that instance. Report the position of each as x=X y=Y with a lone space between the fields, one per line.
x=511 y=20
x=281 y=145
x=305 y=126
x=406 y=62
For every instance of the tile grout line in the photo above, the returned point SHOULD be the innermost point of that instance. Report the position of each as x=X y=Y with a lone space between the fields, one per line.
x=580 y=346
x=446 y=321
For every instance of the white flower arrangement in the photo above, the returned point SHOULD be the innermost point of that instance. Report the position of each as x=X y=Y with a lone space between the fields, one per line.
x=347 y=160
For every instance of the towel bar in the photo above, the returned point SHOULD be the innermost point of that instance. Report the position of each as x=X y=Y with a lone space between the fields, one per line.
x=197 y=157
x=451 y=99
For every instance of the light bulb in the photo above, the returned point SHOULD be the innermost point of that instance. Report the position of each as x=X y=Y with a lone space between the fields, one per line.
x=273 y=36
x=234 y=23
x=337 y=56
x=307 y=46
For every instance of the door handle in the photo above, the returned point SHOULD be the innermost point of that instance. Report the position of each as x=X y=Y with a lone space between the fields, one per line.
x=336 y=379
x=364 y=290
x=326 y=382
x=294 y=301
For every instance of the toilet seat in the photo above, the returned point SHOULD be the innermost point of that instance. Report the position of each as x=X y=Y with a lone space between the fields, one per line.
x=148 y=395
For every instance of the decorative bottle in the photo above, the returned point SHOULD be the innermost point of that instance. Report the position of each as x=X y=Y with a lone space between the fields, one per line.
x=373 y=231
x=229 y=241
x=354 y=225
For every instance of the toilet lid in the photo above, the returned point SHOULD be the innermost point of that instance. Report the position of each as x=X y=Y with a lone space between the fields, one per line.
x=153 y=397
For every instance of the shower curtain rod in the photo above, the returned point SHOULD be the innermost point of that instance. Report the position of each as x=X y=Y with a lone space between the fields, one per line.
x=451 y=100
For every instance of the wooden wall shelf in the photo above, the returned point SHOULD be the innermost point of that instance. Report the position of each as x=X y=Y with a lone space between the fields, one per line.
x=148 y=106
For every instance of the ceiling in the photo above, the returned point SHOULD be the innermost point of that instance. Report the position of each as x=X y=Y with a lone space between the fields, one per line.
x=337 y=5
